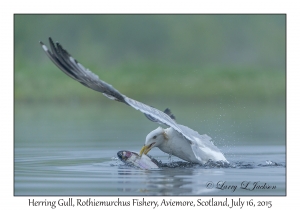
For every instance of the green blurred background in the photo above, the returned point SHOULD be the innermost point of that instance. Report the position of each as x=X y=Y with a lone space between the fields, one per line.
x=223 y=73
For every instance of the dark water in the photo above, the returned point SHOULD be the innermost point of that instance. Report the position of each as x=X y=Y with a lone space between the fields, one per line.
x=65 y=152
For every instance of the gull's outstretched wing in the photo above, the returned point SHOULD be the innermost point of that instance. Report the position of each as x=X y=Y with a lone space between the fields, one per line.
x=65 y=62
x=71 y=67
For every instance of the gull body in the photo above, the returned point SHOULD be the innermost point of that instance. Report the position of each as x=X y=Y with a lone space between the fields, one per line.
x=168 y=141
x=173 y=143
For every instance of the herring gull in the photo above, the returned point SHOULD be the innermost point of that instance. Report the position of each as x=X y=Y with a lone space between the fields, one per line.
x=177 y=140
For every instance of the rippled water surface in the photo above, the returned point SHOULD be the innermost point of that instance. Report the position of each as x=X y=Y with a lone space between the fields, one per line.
x=70 y=171
x=62 y=152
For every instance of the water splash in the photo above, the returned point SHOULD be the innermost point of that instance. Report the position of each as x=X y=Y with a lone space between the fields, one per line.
x=208 y=165
x=271 y=163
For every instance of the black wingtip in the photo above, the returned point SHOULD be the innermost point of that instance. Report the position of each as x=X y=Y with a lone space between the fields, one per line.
x=51 y=41
x=168 y=112
x=41 y=43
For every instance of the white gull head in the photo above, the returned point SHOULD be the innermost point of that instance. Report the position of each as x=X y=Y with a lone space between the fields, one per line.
x=155 y=138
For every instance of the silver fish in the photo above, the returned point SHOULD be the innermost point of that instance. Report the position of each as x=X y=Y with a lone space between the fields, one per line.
x=133 y=158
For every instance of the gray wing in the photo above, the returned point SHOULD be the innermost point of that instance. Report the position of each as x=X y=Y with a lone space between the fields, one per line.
x=65 y=62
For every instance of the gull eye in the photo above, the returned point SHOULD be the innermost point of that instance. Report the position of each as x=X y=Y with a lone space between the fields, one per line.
x=154 y=137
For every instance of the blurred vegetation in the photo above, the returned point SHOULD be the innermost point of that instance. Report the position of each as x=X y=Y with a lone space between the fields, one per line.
x=162 y=57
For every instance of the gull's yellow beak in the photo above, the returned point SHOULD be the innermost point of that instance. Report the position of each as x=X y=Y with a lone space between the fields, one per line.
x=145 y=149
